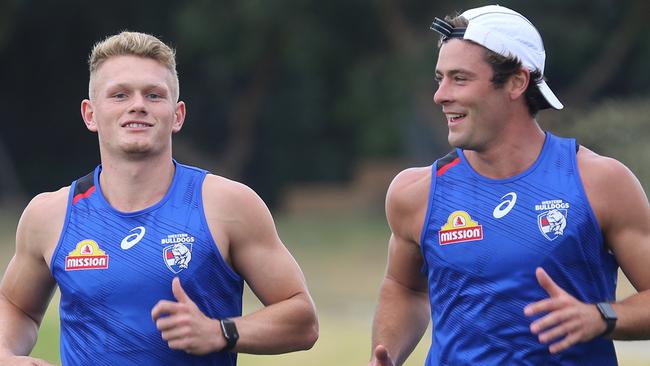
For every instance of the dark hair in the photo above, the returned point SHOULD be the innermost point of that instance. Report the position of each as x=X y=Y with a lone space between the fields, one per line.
x=505 y=67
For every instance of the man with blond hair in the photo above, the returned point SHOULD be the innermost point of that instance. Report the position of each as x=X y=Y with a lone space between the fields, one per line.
x=150 y=255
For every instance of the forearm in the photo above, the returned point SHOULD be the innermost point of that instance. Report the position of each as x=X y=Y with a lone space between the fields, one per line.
x=286 y=326
x=401 y=319
x=18 y=331
x=633 y=317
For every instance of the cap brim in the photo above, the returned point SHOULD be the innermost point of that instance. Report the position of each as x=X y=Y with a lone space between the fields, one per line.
x=550 y=97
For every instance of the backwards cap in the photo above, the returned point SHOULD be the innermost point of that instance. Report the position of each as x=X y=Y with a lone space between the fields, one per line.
x=507 y=33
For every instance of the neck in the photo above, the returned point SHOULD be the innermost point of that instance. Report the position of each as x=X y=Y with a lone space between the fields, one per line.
x=516 y=150
x=133 y=185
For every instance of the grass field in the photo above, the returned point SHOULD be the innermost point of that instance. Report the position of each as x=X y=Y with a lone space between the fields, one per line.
x=343 y=257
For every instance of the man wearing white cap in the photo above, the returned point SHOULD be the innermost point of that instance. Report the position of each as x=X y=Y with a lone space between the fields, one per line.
x=510 y=243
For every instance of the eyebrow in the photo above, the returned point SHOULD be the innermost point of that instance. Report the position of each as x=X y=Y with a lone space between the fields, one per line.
x=130 y=86
x=456 y=72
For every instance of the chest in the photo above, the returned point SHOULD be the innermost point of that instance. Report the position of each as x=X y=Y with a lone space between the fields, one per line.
x=492 y=229
x=101 y=253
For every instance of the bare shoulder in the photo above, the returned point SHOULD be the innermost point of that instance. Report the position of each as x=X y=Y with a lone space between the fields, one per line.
x=610 y=186
x=408 y=190
x=52 y=201
x=234 y=210
x=42 y=220
x=602 y=174
x=406 y=201
x=228 y=194
x=599 y=168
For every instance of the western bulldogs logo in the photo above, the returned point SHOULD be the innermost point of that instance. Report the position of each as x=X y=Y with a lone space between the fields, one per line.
x=177 y=256
x=553 y=221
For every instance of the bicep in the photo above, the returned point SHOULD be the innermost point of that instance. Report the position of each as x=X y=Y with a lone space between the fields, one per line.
x=405 y=263
x=261 y=258
x=628 y=236
x=405 y=212
x=27 y=286
x=626 y=226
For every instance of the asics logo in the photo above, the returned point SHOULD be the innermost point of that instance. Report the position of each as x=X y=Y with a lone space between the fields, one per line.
x=133 y=239
x=504 y=207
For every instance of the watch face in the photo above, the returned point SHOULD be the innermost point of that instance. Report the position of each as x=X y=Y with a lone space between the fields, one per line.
x=607 y=310
x=229 y=329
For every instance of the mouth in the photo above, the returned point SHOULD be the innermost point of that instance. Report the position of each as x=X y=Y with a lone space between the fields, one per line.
x=455 y=117
x=136 y=124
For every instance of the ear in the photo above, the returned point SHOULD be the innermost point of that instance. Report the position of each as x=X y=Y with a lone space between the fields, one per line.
x=88 y=115
x=179 y=117
x=518 y=83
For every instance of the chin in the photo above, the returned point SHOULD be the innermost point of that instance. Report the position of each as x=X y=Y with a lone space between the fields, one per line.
x=455 y=140
x=136 y=149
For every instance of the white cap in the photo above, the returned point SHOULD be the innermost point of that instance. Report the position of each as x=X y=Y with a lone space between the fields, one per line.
x=509 y=34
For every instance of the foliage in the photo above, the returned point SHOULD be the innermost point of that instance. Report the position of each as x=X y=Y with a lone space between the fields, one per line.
x=283 y=91
x=615 y=128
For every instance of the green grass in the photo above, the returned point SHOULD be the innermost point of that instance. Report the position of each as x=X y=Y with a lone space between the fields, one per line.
x=343 y=257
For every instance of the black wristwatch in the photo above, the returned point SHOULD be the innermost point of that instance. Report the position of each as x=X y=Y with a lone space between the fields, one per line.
x=229 y=330
x=609 y=315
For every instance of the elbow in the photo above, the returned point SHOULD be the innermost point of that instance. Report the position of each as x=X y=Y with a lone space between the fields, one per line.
x=305 y=327
x=310 y=335
x=310 y=326
x=310 y=329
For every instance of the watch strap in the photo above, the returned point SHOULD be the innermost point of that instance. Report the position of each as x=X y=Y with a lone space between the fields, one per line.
x=609 y=315
x=230 y=333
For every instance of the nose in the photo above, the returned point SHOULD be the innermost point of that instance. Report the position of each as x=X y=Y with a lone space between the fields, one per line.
x=138 y=104
x=442 y=95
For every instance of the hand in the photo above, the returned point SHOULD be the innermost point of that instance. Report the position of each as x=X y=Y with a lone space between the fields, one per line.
x=567 y=318
x=184 y=326
x=381 y=357
x=23 y=361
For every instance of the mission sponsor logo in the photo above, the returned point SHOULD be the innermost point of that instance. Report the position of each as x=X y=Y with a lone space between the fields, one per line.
x=87 y=255
x=553 y=220
x=460 y=228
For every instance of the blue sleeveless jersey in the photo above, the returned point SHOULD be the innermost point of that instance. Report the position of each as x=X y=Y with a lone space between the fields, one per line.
x=113 y=267
x=482 y=240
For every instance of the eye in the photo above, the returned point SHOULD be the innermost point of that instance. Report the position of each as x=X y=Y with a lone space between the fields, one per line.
x=460 y=78
x=119 y=95
x=437 y=79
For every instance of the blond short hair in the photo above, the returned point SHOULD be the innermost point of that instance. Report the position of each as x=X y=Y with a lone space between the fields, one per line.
x=133 y=44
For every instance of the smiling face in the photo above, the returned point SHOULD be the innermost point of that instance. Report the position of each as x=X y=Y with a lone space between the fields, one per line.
x=476 y=111
x=132 y=107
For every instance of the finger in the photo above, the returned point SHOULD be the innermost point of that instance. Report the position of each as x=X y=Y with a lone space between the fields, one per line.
x=567 y=342
x=178 y=291
x=165 y=307
x=180 y=344
x=41 y=363
x=549 y=321
x=381 y=355
x=174 y=321
x=559 y=331
x=547 y=283
x=562 y=329
x=543 y=306
x=175 y=333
